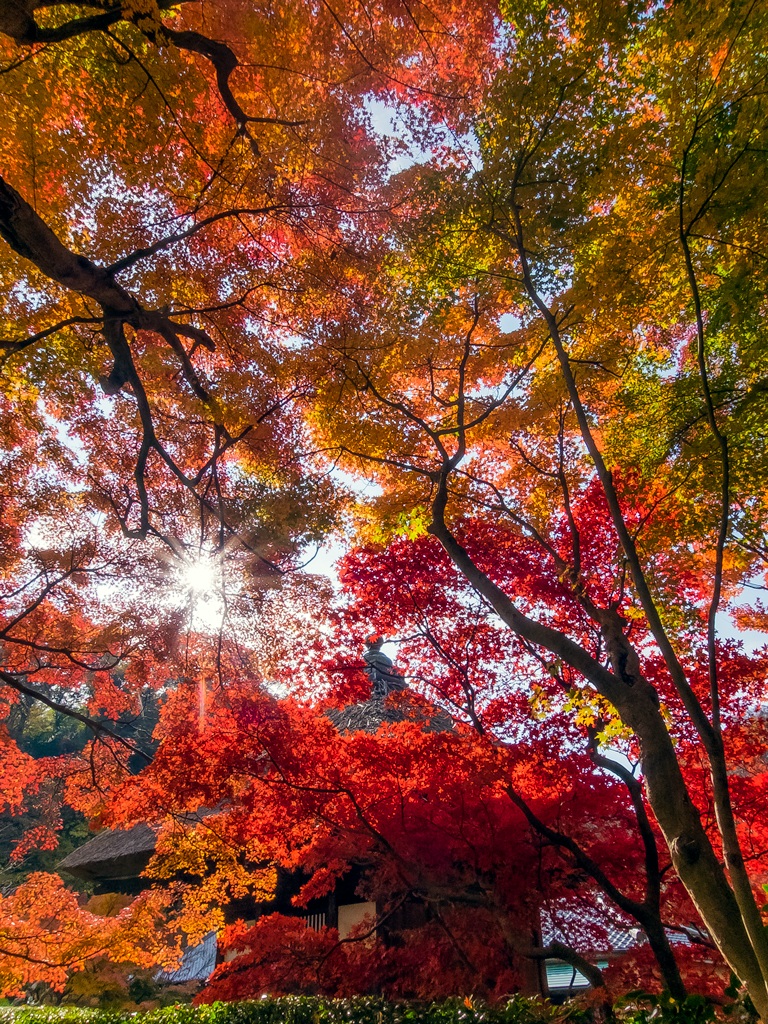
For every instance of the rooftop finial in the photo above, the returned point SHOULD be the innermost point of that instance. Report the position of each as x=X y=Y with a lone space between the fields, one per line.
x=380 y=669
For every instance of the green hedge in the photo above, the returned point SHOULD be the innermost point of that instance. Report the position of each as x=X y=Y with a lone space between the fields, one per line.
x=309 y=1010
x=638 y=1008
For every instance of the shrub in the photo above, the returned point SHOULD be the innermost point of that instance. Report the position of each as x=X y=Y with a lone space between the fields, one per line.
x=312 y=1010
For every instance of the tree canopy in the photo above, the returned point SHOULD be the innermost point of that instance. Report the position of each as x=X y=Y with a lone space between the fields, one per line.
x=474 y=294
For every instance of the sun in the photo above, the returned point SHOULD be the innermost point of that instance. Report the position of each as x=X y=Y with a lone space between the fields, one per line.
x=201 y=576
x=198 y=583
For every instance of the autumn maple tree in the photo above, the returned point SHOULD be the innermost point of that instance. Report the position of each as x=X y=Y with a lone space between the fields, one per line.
x=608 y=204
x=176 y=180
x=480 y=291
x=465 y=846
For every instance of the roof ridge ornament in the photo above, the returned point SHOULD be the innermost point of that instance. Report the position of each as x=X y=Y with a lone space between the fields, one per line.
x=380 y=669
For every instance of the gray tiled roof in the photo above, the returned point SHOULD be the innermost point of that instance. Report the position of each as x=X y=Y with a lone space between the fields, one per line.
x=578 y=927
x=197 y=963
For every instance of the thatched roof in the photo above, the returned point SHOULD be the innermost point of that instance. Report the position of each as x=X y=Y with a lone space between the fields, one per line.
x=367 y=716
x=113 y=853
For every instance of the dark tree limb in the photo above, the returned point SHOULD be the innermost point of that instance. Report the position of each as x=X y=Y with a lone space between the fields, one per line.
x=17 y=20
x=694 y=858
x=30 y=237
x=97 y=728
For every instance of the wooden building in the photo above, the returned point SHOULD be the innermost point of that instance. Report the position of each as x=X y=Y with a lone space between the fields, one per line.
x=114 y=860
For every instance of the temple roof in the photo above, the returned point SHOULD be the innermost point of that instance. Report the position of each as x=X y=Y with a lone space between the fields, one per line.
x=123 y=853
x=112 y=854
x=368 y=715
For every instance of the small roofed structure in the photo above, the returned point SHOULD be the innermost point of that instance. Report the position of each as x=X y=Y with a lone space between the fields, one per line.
x=380 y=670
x=368 y=715
x=197 y=963
x=113 y=859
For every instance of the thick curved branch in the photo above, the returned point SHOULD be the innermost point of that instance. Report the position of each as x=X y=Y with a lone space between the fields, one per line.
x=675 y=668
x=634 y=908
x=76 y=27
x=637 y=704
x=732 y=851
x=224 y=63
x=29 y=236
x=98 y=728
x=17 y=21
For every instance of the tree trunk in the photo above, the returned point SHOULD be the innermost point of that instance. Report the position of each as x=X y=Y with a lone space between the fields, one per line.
x=665 y=958
x=637 y=703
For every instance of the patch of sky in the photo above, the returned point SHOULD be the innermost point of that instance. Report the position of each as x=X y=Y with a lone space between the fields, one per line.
x=228 y=289
x=149 y=208
x=322 y=561
x=651 y=10
x=42 y=534
x=508 y=323
x=360 y=485
x=502 y=391
x=398 y=125
x=61 y=429
x=727 y=628
x=105 y=406
x=388 y=122
x=292 y=342
x=504 y=43
x=252 y=325
x=33 y=298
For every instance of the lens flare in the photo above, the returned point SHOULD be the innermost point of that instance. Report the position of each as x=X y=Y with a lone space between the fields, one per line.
x=201 y=576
